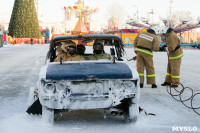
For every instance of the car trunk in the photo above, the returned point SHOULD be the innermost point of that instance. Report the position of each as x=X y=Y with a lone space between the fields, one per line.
x=88 y=71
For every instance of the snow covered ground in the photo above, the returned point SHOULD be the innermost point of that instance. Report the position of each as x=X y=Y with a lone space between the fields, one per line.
x=19 y=70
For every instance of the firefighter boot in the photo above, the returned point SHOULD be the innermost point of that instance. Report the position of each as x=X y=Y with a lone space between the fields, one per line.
x=166 y=84
x=154 y=86
x=141 y=85
x=173 y=86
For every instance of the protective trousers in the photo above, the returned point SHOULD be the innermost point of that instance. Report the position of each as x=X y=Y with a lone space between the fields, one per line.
x=145 y=61
x=174 y=72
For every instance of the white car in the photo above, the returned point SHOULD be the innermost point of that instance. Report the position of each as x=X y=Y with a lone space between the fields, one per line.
x=91 y=84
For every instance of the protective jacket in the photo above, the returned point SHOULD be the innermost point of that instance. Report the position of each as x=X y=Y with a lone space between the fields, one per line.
x=99 y=56
x=173 y=44
x=73 y=57
x=144 y=44
x=175 y=54
x=61 y=53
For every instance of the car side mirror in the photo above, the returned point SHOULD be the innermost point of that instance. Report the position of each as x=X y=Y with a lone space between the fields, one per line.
x=112 y=52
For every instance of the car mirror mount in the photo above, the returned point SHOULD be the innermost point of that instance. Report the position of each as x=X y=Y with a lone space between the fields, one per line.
x=112 y=51
x=61 y=60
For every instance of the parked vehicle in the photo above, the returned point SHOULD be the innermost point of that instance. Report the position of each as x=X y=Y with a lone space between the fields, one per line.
x=91 y=84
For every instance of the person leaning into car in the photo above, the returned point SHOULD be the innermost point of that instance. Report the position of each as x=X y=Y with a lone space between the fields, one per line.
x=144 y=44
x=70 y=53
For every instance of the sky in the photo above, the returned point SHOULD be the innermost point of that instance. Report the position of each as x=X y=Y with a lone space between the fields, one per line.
x=51 y=10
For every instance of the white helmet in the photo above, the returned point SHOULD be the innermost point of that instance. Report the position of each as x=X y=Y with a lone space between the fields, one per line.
x=156 y=29
x=163 y=29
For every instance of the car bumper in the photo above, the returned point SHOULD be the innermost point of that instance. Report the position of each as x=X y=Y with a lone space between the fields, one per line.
x=76 y=102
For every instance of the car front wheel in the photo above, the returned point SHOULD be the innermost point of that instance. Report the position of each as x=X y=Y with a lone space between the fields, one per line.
x=47 y=115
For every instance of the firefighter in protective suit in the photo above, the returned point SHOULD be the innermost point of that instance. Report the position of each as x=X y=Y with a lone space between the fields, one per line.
x=61 y=51
x=175 y=55
x=98 y=51
x=144 y=44
x=71 y=52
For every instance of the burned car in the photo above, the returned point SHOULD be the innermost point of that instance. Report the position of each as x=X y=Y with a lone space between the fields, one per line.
x=88 y=84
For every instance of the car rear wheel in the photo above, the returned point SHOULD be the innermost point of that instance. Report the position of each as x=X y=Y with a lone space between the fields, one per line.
x=132 y=112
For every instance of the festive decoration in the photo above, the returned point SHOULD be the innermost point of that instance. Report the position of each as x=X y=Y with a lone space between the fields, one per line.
x=80 y=27
x=80 y=11
x=83 y=13
x=28 y=40
x=183 y=24
x=24 y=21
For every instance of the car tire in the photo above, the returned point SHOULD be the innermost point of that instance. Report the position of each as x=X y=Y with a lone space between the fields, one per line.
x=47 y=115
x=131 y=115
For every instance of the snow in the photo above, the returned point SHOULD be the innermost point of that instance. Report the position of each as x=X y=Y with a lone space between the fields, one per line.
x=19 y=70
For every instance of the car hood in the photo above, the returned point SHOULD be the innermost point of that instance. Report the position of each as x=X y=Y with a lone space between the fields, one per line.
x=88 y=71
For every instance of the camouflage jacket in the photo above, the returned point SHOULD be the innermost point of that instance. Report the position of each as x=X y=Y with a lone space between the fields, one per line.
x=68 y=57
x=99 y=56
x=74 y=57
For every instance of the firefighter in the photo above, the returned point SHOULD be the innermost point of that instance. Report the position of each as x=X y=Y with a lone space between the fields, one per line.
x=72 y=53
x=61 y=51
x=144 y=44
x=175 y=55
x=98 y=51
x=68 y=52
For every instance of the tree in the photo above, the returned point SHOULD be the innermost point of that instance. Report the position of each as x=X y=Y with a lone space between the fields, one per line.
x=24 y=21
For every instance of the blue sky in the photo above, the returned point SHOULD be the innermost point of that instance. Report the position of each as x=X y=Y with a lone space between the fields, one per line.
x=51 y=10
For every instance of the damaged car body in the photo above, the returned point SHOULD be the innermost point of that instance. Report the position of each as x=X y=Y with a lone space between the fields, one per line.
x=88 y=84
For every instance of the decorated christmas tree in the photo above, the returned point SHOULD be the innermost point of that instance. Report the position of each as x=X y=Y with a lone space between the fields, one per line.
x=24 y=21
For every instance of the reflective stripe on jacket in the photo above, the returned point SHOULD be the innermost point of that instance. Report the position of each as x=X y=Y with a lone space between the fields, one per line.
x=177 y=77
x=144 y=51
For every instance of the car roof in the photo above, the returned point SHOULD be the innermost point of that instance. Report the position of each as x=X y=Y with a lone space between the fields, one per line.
x=103 y=36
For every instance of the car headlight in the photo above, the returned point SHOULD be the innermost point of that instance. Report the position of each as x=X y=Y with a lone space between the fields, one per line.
x=49 y=87
x=42 y=83
x=118 y=84
x=61 y=87
x=128 y=84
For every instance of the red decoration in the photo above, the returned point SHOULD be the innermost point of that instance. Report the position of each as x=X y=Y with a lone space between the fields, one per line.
x=75 y=7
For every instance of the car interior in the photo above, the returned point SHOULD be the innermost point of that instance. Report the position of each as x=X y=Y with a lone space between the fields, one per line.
x=55 y=47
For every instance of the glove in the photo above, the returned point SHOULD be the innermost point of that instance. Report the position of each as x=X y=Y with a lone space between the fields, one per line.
x=162 y=48
x=135 y=57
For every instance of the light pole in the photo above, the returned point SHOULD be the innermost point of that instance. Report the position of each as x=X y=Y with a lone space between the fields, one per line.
x=134 y=6
x=152 y=12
